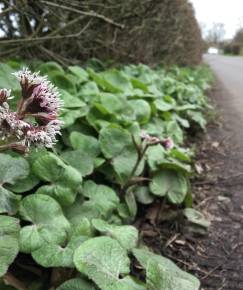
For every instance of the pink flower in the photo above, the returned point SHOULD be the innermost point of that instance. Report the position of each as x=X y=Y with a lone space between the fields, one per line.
x=167 y=143
x=40 y=100
x=43 y=136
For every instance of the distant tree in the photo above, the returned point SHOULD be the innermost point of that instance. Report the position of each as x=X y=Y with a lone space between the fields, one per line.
x=238 y=38
x=215 y=34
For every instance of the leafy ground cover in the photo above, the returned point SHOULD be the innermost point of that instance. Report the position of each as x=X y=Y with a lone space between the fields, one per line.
x=66 y=214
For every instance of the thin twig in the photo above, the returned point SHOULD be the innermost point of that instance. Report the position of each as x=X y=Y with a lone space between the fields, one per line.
x=86 y=13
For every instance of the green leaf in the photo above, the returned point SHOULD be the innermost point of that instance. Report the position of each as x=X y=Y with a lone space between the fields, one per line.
x=159 y=277
x=13 y=169
x=9 y=246
x=155 y=156
x=9 y=202
x=25 y=184
x=64 y=195
x=54 y=255
x=198 y=118
x=89 y=144
x=112 y=80
x=62 y=81
x=113 y=103
x=161 y=272
x=47 y=219
x=174 y=131
x=120 y=139
x=64 y=179
x=163 y=106
x=70 y=116
x=79 y=72
x=48 y=167
x=76 y=284
x=131 y=203
x=70 y=101
x=80 y=160
x=50 y=66
x=7 y=79
x=142 y=110
x=170 y=183
x=126 y=283
x=101 y=196
x=103 y=260
x=88 y=91
x=127 y=236
x=196 y=217
x=143 y=195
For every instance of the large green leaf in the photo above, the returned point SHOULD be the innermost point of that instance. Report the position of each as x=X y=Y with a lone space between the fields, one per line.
x=112 y=81
x=120 y=140
x=164 y=274
x=48 y=224
x=155 y=156
x=71 y=101
x=80 y=160
x=62 y=81
x=55 y=255
x=170 y=183
x=12 y=170
x=64 y=179
x=7 y=80
x=76 y=284
x=102 y=197
x=158 y=277
x=103 y=260
x=9 y=244
x=126 y=283
x=121 y=151
x=142 y=110
x=79 y=72
x=88 y=144
x=127 y=236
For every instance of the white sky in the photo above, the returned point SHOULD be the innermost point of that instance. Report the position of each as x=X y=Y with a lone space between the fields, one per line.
x=229 y=12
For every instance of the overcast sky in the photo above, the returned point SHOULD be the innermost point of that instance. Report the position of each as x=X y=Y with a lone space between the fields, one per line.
x=229 y=12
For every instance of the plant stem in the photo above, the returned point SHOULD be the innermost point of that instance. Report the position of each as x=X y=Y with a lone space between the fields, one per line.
x=13 y=281
x=135 y=167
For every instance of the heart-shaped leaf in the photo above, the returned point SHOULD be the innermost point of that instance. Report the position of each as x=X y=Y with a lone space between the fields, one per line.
x=48 y=223
x=170 y=183
x=127 y=236
x=9 y=241
x=12 y=170
x=103 y=260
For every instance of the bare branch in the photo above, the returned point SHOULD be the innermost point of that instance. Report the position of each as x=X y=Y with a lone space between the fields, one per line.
x=86 y=13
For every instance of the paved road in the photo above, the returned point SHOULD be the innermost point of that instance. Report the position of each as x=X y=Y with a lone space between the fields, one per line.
x=228 y=96
x=229 y=71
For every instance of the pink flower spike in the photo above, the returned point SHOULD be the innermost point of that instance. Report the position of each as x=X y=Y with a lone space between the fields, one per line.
x=28 y=81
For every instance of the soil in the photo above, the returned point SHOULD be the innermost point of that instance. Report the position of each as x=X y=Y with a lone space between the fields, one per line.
x=216 y=257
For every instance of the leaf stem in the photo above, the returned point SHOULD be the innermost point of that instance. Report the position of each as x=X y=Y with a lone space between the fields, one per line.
x=140 y=156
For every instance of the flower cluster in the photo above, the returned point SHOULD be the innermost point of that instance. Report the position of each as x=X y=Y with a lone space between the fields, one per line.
x=39 y=103
x=167 y=143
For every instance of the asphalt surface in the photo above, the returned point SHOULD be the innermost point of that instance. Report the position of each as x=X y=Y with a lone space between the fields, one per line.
x=229 y=71
x=228 y=98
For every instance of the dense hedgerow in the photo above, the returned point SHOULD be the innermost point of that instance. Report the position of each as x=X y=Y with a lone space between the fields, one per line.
x=124 y=31
x=65 y=213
